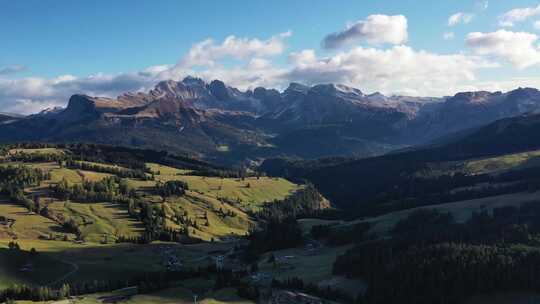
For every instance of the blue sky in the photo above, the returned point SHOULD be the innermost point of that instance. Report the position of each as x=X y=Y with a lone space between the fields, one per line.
x=51 y=49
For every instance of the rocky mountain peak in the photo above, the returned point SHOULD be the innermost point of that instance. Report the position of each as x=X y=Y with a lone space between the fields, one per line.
x=219 y=90
x=193 y=81
x=297 y=87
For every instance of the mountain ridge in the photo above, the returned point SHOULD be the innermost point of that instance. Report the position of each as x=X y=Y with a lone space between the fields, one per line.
x=217 y=121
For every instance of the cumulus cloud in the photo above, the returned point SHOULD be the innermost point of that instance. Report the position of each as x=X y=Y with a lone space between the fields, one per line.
x=537 y=24
x=205 y=53
x=376 y=29
x=27 y=95
x=518 y=48
x=460 y=17
x=398 y=69
x=12 y=69
x=511 y=17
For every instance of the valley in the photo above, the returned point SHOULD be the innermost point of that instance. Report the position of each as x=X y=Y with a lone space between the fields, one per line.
x=108 y=214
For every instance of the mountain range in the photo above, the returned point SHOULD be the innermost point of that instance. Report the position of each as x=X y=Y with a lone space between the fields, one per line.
x=224 y=124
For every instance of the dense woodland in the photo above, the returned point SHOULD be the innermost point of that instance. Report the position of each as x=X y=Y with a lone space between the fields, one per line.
x=395 y=182
x=13 y=180
x=432 y=259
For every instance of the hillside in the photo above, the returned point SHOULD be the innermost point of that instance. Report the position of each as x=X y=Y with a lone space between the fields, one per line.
x=73 y=214
x=385 y=182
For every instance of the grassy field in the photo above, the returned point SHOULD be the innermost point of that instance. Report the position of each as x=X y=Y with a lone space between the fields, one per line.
x=90 y=261
x=461 y=210
x=311 y=266
x=219 y=224
x=251 y=191
x=43 y=151
x=27 y=225
x=98 y=221
x=505 y=162
x=70 y=175
x=92 y=176
x=217 y=205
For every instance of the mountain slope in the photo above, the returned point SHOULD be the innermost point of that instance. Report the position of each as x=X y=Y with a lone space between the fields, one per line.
x=376 y=181
x=219 y=122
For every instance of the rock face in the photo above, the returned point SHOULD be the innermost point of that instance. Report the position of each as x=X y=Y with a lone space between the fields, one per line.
x=197 y=117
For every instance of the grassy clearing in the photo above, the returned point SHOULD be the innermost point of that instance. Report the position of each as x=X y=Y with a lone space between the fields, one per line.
x=102 y=165
x=166 y=170
x=501 y=163
x=43 y=151
x=114 y=261
x=98 y=221
x=251 y=191
x=93 y=176
x=27 y=225
x=219 y=224
x=310 y=266
x=223 y=148
x=461 y=211
x=71 y=176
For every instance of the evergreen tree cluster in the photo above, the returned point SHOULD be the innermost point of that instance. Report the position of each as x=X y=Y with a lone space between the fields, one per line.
x=171 y=188
x=145 y=283
x=120 y=172
x=306 y=202
x=275 y=234
x=111 y=189
x=13 y=180
x=433 y=259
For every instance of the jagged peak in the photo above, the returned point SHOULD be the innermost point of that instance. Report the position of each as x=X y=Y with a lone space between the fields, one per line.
x=191 y=80
x=331 y=88
x=297 y=87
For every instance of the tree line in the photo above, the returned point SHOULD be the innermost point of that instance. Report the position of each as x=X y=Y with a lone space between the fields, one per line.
x=431 y=258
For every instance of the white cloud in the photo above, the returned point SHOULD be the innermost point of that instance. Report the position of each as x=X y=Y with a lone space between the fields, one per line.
x=460 y=17
x=518 y=48
x=303 y=58
x=537 y=24
x=205 y=53
x=449 y=36
x=27 y=95
x=376 y=29
x=398 y=69
x=511 y=17
x=390 y=70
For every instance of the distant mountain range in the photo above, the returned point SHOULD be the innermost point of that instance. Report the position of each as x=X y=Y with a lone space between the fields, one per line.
x=219 y=122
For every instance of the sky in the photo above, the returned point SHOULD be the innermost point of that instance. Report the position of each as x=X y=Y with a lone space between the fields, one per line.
x=51 y=49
